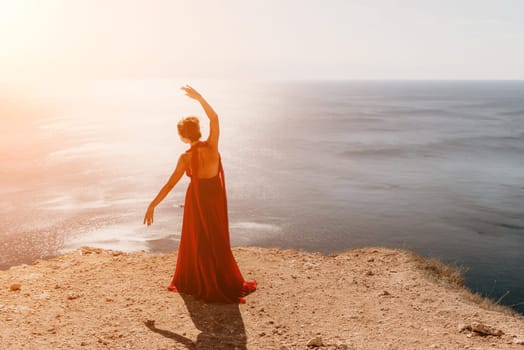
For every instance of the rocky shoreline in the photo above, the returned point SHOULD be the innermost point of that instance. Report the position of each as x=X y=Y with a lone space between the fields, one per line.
x=368 y=298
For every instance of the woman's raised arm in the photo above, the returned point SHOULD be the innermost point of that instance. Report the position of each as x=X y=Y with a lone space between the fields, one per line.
x=214 y=129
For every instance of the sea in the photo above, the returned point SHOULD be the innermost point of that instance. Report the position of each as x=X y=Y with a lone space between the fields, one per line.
x=436 y=167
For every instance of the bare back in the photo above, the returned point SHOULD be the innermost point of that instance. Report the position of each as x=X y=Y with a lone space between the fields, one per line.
x=208 y=161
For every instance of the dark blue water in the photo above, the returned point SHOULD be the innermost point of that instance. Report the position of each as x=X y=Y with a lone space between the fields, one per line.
x=433 y=166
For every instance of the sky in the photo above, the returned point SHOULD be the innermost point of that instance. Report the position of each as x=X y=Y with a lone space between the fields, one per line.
x=269 y=39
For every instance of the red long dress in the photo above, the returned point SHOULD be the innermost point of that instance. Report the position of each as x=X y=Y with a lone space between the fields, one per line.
x=205 y=265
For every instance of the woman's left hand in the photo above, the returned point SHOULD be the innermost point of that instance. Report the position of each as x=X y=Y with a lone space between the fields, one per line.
x=148 y=218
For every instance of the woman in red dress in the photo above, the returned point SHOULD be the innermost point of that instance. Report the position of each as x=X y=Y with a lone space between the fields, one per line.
x=205 y=265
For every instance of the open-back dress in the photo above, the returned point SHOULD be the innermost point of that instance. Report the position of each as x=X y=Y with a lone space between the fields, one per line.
x=205 y=265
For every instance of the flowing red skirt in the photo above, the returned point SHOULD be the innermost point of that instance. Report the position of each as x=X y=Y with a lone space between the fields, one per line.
x=206 y=267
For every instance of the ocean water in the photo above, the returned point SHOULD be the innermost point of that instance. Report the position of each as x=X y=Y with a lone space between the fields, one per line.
x=432 y=166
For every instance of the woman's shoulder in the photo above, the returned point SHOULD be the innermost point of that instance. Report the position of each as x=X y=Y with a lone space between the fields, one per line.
x=185 y=157
x=206 y=147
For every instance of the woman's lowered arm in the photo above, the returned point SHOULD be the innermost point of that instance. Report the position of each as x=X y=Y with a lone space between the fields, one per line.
x=173 y=180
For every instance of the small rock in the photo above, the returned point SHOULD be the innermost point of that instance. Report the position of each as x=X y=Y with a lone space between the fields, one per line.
x=315 y=342
x=384 y=294
x=73 y=296
x=518 y=341
x=102 y=341
x=463 y=327
x=369 y=273
x=15 y=287
x=485 y=329
x=341 y=347
x=261 y=334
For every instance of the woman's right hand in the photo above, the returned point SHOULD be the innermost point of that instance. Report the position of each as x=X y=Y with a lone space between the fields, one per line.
x=148 y=218
x=191 y=93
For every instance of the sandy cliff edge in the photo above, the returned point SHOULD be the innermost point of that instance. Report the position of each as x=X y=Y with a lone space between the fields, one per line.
x=368 y=298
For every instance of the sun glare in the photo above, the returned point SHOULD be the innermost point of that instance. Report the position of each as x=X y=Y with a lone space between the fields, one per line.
x=26 y=32
x=10 y=11
x=13 y=14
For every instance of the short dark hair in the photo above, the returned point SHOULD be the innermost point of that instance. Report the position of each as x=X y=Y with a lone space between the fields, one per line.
x=189 y=128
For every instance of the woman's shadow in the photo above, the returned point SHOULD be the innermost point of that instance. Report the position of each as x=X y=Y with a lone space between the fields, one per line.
x=221 y=326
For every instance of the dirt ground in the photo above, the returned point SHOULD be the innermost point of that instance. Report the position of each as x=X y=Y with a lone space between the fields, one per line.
x=370 y=298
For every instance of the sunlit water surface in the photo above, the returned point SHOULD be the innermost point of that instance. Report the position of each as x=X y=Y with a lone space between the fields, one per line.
x=437 y=167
